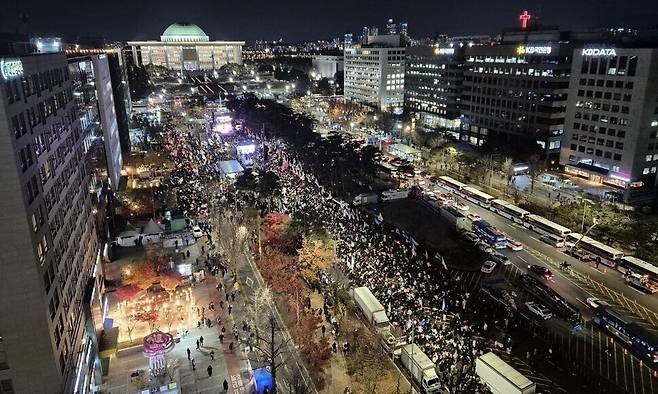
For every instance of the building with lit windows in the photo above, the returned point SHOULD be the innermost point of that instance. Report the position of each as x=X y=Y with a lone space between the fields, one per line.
x=374 y=73
x=50 y=298
x=433 y=86
x=186 y=48
x=516 y=94
x=611 y=123
x=328 y=65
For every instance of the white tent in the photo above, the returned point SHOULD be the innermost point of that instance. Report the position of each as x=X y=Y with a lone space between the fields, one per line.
x=152 y=232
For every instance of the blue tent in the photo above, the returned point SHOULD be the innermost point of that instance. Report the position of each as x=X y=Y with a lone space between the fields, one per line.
x=262 y=380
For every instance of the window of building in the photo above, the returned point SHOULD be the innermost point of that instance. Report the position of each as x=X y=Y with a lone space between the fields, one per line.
x=598 y=152
x=607 y=155
x=621 y=133
x=617 y=157
x=619 y=145
x=632 y=66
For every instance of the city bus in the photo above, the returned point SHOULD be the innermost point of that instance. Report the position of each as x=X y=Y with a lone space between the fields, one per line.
x=642 y=342
x=509 y=211
x=490 y=234
x=639 y=274
x=544 y=226
x=452 y=184
x=603 y=253
x=478 y=197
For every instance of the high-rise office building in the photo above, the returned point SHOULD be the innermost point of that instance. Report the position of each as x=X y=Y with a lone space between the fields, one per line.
x=516 y=94
x=433 y=86
x=374 y=73
x=348 y=40
x=50 y=255
x=611 y=123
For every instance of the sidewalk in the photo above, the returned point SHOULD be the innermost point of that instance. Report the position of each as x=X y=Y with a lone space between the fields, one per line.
x=229 y=365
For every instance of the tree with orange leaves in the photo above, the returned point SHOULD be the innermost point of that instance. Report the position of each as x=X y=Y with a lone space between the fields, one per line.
x=127 y=293
x=317 y=254
x=170 y=281
x=150 y=317
x=141 y=275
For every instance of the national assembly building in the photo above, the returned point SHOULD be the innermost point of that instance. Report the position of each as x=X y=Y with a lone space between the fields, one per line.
x=185 y=47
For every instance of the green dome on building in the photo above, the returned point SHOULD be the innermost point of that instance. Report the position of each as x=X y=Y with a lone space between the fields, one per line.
x=183 y=31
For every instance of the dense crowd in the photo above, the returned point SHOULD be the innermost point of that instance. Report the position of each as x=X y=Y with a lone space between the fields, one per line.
x=419 y=295
x=429 y=306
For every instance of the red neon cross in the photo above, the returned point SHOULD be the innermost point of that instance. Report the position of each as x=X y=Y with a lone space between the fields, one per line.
x=525 y=18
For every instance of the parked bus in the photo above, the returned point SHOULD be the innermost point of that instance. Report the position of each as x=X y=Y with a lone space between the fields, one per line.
x=639 y=274
x=509 y=211
x=491 y=235
x=544 y=226
x=478 y=197
x=452 y=184
x=603 y=253
x=642 y=342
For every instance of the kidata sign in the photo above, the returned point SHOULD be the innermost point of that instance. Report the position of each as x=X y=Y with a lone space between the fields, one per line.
x=534 y=50
x=599 y=52
x=11 y=68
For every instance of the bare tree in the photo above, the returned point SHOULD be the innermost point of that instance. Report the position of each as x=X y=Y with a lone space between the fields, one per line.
x=233 y=238
x=537 y=167
x=297 y=384
x=172 y=367
x=508 y=170
x=271 y=348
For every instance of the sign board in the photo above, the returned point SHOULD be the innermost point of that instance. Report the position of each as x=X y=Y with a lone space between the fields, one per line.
x=11 y=68
x=599 y=52
x=444 y=51
x=534 y=50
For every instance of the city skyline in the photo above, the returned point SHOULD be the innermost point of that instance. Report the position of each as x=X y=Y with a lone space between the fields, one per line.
x=276 y=20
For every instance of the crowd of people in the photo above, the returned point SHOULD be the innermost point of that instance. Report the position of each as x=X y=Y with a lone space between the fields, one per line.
x=428 y=305
x=420 y=297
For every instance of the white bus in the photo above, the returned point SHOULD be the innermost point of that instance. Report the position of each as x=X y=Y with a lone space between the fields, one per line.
x=509 y=211
x=452 y=184
x=638 y=266
x=478 y=197
x=604 y=253
x=544 y=226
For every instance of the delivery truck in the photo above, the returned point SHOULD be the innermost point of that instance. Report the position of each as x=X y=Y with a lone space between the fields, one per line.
x=376 y=315
x=366 y=198
x=421 y=369
x=500 y=377
x=393 y=194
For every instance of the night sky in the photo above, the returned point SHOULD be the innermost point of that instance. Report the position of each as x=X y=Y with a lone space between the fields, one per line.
x=296 y=20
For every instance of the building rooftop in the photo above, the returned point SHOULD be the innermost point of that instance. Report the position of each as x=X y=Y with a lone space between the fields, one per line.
x=184 y=31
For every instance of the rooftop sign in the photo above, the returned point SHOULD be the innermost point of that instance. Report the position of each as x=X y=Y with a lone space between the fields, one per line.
x=599 y=52
x=534 y=50
x=444 y=51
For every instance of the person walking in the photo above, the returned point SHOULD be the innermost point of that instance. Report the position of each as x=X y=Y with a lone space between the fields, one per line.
x=230 y=347
x=201 y=340
x=221 y=338
x=225 y=386
x=209 y=369
x=212 y=355
x=230 y=308
x=324 y=329
x=197 y=344
x=188 y=354
x=193 y=365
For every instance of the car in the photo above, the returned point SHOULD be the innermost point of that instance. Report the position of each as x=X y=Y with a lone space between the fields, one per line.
x=196 y=231
x=473 y=217
x=539 y=310
x=500 y=258
x=541 y=271
x=596 y=302
x=488 y=266
x=462 y=207
x=471 y=236
x=514 y=245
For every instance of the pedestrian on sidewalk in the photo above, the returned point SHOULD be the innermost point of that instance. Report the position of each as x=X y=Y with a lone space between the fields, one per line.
x=230 y=308
x=324 y=329
x=188 y=354
x=201 y=340
x=230 y=347
x=193 y=365
x=227 y=296
x=209 y=369
x=225 y=386
x=212 y=355
x=221 y=338
x=197 y=344
x=233 y=296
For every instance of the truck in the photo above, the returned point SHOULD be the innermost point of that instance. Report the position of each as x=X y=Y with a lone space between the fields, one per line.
x=394 y=194
x=365 y=198
x=370 y=307
x=500 y=377
x=374 y=312
x=421 y=369
x=456 y=218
